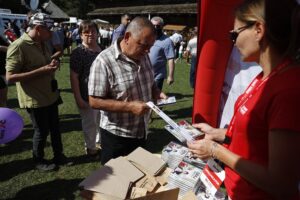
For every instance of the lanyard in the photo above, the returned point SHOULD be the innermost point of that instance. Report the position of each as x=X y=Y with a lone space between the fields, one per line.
x=251 y=90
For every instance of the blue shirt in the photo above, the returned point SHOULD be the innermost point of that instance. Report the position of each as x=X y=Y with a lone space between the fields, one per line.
x=119 y=32
x=161 y=51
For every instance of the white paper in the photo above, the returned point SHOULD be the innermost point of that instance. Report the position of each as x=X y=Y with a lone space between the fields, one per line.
x=169 y=121
x=170 y=100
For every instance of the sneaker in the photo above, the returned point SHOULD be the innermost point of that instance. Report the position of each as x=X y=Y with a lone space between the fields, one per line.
x=62 y=160
x=45 y=166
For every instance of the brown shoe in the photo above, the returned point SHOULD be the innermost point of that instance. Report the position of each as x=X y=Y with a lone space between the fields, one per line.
x=92 y=152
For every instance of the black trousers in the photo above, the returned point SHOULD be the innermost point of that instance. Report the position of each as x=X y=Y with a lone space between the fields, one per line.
x=45 y=119
x=114 y=146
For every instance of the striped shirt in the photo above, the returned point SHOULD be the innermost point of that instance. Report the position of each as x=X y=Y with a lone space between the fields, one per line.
x=115 y=76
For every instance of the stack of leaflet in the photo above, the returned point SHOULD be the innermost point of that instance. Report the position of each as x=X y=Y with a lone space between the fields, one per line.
x=173 y=154
x=197 y=162
x=185 y=177
x=202 y=193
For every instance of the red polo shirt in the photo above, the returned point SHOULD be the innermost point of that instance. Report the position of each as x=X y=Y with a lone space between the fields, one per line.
x=274 y=106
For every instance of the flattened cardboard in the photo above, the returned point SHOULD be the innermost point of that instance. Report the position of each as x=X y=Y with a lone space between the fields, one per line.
x=162 y=178
x=189 y=196
x=103 y=181
x=146 y=161
x=89 y=195
x=113 y=179
x=122 y=167
x=163 y=195
x=147 y=182
x=138 y=192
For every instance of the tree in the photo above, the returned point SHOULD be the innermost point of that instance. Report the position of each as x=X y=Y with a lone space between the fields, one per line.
x=76 y=8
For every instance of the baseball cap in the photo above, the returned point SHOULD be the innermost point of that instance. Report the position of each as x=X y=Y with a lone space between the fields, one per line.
x=41 y=19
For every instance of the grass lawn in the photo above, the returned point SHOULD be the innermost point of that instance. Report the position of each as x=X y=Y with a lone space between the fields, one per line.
x=18 y=179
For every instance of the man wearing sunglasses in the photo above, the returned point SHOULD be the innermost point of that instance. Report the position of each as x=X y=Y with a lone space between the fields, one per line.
x=29 y=65
x=161 y=54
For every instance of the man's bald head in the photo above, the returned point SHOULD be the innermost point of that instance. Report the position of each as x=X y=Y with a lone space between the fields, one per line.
x=139 y=23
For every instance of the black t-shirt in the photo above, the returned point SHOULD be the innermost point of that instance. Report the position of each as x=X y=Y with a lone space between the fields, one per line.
x=2 y=56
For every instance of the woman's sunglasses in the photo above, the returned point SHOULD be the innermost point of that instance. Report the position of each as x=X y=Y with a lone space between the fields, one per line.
x=233 y=34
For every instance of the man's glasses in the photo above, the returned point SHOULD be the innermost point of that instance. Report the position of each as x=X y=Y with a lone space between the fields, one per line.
x=142 y=45
x=233 y=34
x=91 y=32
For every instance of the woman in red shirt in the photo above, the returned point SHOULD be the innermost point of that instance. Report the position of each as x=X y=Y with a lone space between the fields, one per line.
x=261 y=146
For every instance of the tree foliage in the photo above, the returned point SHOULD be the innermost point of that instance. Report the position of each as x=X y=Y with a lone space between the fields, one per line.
x=76 y=8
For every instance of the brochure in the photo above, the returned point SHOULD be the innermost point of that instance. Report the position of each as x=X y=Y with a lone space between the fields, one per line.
x=169 y=100
x=183 y=132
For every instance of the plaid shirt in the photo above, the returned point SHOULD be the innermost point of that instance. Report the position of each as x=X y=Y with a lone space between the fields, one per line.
x=115 y=76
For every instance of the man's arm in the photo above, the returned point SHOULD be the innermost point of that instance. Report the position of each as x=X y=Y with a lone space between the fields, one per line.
x=111 y=105
x=12 y=77
x=58 y=51
x=171 y=65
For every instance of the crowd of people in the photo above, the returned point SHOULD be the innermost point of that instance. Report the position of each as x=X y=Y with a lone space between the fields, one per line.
x=113 y=79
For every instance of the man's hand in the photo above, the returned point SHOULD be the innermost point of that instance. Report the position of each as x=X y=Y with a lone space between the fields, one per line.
x=138 y=107
x=170 y=80
x=82 y=104
x=52 y=67
x=162 y=96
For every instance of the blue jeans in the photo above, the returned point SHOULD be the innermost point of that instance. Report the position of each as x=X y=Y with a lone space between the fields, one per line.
x=193 y=71
x=45 y=119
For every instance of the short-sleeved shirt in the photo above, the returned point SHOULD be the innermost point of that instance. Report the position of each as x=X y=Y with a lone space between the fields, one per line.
x=115 y=76
x=192 y=46
x=161 y=51
x=80 y=62
x=274 y=106
x=55 y=40
x=118 y=33
x=25 y=55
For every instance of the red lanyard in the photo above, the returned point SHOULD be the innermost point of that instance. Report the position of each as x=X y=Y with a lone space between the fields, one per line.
x=251 y=90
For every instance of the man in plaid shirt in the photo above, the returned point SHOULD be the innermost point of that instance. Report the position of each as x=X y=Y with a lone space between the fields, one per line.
x=121 y=81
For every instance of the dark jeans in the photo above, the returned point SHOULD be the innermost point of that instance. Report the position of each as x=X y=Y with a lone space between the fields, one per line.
x=114 y=146
x=45 y=119
x=193 y=71
x=159 y=83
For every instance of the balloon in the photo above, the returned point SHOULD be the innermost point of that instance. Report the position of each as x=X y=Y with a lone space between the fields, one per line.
x=11 y=125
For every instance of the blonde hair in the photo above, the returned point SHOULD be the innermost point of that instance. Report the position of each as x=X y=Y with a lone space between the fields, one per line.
x=251 y=11
x=281 y=19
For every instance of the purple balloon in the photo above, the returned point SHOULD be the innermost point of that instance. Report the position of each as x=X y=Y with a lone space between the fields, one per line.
x=11 y=125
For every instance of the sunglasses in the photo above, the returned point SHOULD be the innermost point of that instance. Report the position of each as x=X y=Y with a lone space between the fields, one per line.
x=233 y=34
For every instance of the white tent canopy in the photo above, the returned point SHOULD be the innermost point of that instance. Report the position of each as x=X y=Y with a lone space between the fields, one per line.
x=100 y=21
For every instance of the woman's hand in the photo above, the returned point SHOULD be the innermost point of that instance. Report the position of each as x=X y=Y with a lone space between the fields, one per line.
x=210 y=132
x=202 y=149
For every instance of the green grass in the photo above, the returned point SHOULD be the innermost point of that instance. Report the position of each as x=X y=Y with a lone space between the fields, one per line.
x=18 y=179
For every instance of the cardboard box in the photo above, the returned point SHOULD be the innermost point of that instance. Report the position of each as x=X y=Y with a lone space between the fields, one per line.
x=164 y=195
x=130 y=178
